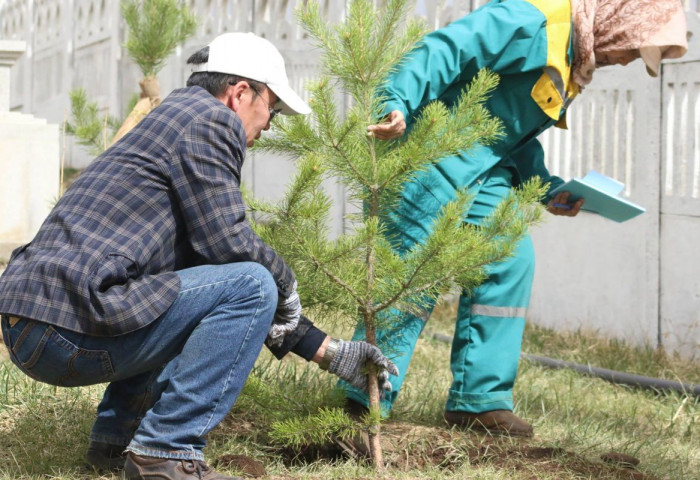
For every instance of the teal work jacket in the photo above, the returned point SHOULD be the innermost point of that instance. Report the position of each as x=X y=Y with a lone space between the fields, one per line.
x=528 y=43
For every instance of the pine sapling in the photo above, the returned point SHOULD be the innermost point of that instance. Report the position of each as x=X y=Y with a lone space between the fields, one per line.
x=362 y=274
x=155 y=28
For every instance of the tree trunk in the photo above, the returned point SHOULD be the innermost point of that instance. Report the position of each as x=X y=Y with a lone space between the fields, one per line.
x=150 y=99
x=375 y=445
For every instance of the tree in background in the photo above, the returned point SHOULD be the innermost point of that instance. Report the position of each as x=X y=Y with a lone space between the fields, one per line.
x=91 y=127
x=360 y=275
x=154 y=29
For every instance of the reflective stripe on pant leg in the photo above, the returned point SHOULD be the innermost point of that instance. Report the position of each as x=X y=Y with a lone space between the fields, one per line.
x=491 y=311
x=487 y=341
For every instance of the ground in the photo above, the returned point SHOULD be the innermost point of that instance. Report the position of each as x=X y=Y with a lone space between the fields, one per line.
x=409 y=447
x=585 y=428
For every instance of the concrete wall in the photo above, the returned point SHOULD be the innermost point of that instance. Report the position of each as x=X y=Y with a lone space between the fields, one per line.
x=29 y=162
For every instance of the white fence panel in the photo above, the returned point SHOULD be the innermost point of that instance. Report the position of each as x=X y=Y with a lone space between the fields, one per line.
x=636 y=281
x=681 y=165
x=591 y=272
x=679 y=263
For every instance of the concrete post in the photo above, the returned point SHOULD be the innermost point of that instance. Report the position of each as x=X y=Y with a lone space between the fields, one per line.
x=10 y=51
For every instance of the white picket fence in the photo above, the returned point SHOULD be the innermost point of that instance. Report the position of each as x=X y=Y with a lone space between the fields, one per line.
x=636 y=281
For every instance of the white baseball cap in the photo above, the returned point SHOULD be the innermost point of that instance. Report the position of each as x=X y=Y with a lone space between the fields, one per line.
x=253 y=57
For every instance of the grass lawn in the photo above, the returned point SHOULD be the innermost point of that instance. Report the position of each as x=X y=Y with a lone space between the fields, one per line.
x=578 y=420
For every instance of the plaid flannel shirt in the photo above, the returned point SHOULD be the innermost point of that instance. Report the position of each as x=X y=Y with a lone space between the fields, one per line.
x=163 y=198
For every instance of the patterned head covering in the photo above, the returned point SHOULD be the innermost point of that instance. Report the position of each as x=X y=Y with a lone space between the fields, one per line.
x=627 y=29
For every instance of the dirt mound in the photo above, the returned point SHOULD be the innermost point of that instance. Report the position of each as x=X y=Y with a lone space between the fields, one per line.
x=414 y=447
x=241 y=463
x=410 y=446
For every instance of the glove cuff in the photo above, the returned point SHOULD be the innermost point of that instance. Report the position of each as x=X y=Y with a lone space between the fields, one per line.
x=330 y=353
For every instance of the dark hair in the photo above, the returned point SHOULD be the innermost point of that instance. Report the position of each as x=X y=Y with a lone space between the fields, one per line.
x=215 y=82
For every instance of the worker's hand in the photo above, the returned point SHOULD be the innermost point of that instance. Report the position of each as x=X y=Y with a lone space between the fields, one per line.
x=350 y=360
x=393 y=127
x=286 y=318
x=560 y=205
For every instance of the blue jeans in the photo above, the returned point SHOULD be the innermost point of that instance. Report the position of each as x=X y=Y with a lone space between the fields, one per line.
x=173 y=381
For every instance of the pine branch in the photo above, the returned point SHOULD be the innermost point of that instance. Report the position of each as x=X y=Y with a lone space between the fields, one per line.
x=263 y=391
x=428 y=253
x=405 y=287
x=88 y=124
x=342 y=253
x=439 y=133
x=396 y=13
x=506 y=218
x=294 y=137
x=360 y=178
x=354 y=20
x=317 y=429
x=332 y=276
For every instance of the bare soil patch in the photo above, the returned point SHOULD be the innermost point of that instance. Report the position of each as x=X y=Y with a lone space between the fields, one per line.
x=241 y=463
x=414 y=447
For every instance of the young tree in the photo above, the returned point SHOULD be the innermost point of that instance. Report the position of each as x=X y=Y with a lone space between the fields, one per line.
x=92 y=128
x=361 y=274
x=155 y=28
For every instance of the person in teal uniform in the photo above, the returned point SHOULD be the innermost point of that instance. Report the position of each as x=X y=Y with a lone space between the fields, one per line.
x=545 y=52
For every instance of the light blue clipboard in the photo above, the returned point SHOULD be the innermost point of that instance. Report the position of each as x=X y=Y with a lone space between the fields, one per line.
x=601 y=194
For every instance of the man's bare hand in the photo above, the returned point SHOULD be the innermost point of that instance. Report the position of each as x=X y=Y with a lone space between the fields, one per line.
x=393 y=127
x=560 y=205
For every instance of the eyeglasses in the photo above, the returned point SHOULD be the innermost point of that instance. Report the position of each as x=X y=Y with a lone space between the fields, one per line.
x=273 y=111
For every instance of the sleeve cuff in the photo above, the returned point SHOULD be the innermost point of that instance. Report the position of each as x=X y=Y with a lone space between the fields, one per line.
x=304 y=341
x=309 y=344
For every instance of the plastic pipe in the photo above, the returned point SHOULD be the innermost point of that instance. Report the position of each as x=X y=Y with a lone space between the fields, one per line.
x=618 y=377
x=609 y=375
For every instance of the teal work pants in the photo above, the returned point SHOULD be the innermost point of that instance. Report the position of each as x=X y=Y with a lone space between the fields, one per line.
x=490 y=322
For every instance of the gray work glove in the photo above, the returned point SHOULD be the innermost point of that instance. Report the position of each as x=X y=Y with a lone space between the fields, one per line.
x=349 y=364
x=286 y=318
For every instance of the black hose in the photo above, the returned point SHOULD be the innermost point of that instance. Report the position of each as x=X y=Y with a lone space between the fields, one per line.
x=609 y=375
x=618 y=377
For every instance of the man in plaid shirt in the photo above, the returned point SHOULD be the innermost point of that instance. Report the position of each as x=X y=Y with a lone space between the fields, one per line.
x=147 y=275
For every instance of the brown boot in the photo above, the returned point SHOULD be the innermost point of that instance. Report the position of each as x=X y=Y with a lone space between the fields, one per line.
x=495 y=422
x=140 y=467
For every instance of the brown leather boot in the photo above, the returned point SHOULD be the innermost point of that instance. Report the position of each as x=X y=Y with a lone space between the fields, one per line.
x=140 y=467
x=495 y=422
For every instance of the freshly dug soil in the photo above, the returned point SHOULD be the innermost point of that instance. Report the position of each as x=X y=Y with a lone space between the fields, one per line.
x=415 y=447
